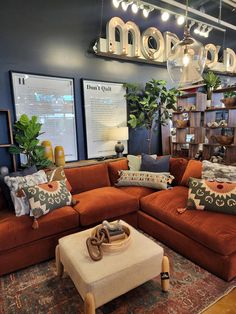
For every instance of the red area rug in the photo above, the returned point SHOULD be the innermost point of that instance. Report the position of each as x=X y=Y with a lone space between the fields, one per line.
x=38 y=290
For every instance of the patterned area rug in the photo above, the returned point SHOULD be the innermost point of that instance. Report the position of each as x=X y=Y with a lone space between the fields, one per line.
x=38 y=290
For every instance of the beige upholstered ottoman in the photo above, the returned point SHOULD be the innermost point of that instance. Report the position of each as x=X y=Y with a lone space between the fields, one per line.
x=98 y=282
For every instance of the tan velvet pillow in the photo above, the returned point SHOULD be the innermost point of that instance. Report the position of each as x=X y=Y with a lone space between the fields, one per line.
x=194 y=170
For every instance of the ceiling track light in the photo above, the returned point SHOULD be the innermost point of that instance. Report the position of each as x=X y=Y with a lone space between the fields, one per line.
x=210 y=28
x=146 y=10
x=197 y=29
x=203 y=30
x=125 y=4
x=180 y=19
x=135 y=7
x=116 y=3
x=165 y=16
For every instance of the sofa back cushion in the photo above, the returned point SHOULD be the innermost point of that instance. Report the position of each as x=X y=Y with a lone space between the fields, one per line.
x=88 y=177
x=114 y=167
x=194 y=170
x=177 y=169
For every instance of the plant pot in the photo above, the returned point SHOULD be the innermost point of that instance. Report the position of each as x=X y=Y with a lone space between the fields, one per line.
x=181 y=124
x=229 y=102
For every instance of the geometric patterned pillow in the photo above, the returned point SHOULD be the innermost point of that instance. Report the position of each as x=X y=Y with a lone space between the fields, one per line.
x=58 y=174
x=212 y=195
x=43 y=198
x=16 y=184
x=152 y=180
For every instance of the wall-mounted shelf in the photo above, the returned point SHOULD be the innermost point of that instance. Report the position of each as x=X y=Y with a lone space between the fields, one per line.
x=10 y=134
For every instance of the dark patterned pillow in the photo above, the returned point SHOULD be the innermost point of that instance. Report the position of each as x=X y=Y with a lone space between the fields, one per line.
x=212 y=195
x=48 y=196
x=57 y=174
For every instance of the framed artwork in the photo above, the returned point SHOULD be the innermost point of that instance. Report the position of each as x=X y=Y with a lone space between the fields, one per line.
x=105 y=111
x=51 y=99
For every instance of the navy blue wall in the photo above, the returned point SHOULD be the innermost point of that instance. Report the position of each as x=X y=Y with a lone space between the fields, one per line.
x=55 y=37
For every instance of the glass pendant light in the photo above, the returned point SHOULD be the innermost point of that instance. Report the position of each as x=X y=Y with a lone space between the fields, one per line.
x=187 y=59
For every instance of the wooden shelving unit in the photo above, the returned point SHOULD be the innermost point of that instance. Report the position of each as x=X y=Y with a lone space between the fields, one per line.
x=10 y=134
x=198 y=119
x=194 y=126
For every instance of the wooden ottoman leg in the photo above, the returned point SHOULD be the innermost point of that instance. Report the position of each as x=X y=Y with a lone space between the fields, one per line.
x=59 y=265
x=165 y=274
x=89 y=305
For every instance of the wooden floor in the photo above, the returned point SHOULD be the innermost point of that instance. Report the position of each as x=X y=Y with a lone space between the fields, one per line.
x=226 y=305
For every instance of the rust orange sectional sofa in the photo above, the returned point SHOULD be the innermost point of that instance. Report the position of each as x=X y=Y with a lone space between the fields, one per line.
x=207 y=238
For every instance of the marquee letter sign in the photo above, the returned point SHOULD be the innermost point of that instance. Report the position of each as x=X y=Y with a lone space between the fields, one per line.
x=140 y=50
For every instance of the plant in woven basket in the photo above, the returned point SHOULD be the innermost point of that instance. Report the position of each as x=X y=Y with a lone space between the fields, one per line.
x=150 y=106
x=26 y=132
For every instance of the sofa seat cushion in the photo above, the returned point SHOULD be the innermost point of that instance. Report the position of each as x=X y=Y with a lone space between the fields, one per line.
x=137 y=191
x=216 y=231
x=16 y=231
x=104 y=203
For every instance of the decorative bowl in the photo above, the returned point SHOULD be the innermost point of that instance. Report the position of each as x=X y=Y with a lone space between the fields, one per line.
x=229 y=102
x=117 y=245
x=181 y=123
x=223 y=139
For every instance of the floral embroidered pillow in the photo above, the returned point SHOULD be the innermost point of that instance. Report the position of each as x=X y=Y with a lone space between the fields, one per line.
x=212 y=195
x=44 y=198
x=152 y=180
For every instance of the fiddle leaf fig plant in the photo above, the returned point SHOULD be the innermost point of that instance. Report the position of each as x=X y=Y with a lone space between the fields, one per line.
x=150 y=106
x=26 y=132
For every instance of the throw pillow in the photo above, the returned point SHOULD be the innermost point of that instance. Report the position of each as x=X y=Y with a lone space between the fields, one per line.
x=218 y=172
x=212 y=195
x=114 y=167
x=177 y=169
x=18 y=197
x=194 y=170
x=43 y=198
x=135 y=162
x=58 y=174
x=5 y=189
x=155 y=165
x=152 y=180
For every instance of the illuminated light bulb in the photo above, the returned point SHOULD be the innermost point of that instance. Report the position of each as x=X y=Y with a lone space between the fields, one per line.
x=180 y=20
x=145 y=13
x=186 y=59
x=124 y=6
x=135 y=8
x=116 y=3
x=196 y=30
x=165 y=16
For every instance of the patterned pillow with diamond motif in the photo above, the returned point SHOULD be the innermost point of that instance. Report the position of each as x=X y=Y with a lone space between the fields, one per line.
x=212 y=195
x=43 y=198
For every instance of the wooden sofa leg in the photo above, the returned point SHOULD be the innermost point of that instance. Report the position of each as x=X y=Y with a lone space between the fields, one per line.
x=59 y=265
x=165 y=274
x=89 y=305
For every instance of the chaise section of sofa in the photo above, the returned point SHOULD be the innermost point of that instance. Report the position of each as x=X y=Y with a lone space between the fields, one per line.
x=207 y=238
x=21 y=246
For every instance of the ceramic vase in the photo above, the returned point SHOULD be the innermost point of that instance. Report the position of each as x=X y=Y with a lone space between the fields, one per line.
x=59 y=156
x=48 y=152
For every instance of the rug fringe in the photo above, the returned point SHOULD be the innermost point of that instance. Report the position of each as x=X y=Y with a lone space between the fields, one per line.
x=218 y=299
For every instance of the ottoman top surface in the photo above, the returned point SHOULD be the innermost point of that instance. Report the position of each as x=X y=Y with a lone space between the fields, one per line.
x=140 y=251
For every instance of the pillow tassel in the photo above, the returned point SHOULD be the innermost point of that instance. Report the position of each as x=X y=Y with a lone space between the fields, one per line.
x=181 y=210
x=35 y=224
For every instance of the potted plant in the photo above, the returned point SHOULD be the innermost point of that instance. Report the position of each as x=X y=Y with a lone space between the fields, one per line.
x=26 y=132
x=229 y=99
x=212 y=82
x=150 y=105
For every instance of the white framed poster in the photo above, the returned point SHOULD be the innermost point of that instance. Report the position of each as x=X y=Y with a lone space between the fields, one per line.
x=105 y=108
x=51 y=99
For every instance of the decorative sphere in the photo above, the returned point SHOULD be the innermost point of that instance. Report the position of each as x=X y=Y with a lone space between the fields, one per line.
x=4 y=171
x=186 y=61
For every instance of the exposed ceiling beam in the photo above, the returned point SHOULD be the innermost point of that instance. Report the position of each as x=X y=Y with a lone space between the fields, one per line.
x=201 y=14
x=232 y=3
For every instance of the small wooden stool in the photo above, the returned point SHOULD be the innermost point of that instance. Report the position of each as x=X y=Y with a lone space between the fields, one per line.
x=102 y=281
